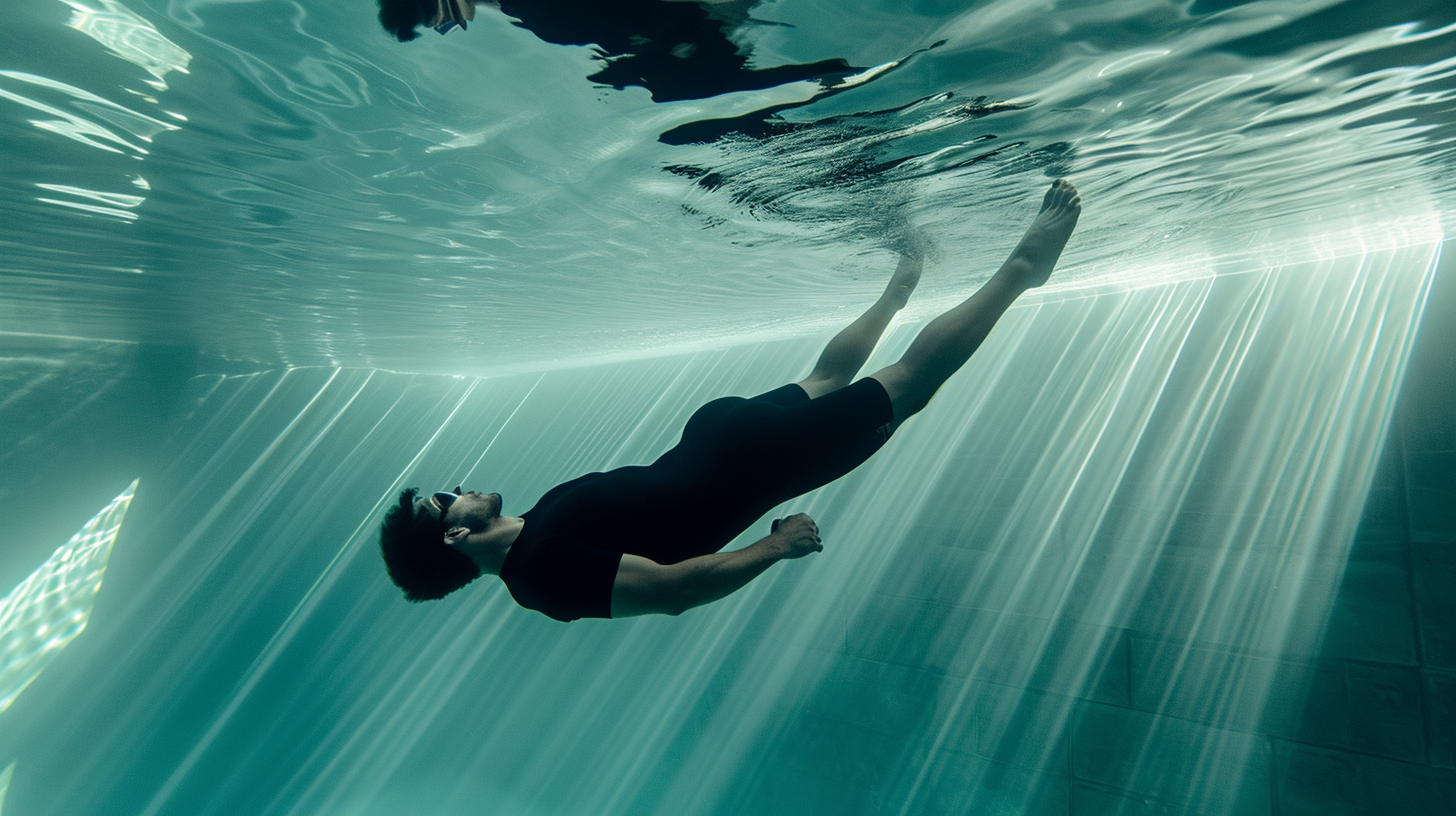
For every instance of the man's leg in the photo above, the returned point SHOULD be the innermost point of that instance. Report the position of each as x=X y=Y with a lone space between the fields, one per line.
x=945 y=344
x=849 y=349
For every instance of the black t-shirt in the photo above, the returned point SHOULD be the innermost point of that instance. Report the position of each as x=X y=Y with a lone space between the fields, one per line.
x=737 y=459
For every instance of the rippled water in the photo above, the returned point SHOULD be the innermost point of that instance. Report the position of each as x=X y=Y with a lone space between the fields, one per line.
x=278 y=183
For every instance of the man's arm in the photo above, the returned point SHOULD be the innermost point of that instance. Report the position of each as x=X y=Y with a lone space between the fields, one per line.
x=645 y=587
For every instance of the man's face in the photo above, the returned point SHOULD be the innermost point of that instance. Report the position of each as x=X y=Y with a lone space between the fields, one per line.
x=469 y=509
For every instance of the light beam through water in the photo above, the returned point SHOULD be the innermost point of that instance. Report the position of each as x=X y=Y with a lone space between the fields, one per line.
x=1165 y=478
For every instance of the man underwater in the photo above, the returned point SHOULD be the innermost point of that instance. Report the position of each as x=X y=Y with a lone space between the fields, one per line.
x=676 y=49
x=644 y=539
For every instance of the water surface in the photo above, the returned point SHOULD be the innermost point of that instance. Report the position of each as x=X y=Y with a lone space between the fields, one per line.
x=278 y=183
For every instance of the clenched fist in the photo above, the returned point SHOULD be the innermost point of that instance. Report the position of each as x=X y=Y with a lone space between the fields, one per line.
x=799 y=534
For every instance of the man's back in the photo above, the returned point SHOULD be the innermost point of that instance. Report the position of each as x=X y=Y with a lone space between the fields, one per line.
x=737 y=459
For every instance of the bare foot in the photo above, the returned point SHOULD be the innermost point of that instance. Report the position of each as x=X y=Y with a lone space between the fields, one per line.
x=1032 y=261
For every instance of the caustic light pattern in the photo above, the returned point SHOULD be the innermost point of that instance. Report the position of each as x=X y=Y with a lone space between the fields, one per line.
x=49 y=609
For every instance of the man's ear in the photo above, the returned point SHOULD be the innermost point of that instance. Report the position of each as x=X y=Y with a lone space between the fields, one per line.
x=455 y=536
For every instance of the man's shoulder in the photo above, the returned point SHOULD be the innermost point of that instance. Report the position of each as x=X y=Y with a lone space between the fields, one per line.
x=562 y=576
x=555 y=494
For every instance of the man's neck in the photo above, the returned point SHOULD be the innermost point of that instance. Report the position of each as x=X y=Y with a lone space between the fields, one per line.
x=488 y=549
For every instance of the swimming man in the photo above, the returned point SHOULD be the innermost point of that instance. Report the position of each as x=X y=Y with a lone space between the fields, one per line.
x=644 y=539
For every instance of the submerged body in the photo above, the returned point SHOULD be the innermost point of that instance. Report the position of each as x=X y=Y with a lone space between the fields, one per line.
x=738 y=459
x=646 y=539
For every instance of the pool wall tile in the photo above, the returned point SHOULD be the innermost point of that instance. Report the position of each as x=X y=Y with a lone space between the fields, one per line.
x=1311 y=781
x=1440 y=689
x=1434 y=577
x=1113 y=747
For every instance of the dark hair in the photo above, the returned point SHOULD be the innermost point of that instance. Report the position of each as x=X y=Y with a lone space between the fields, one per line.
x=416 y=555
x=399 y=17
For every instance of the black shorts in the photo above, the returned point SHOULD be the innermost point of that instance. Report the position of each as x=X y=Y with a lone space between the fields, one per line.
x=782 y=444
x=850 y=409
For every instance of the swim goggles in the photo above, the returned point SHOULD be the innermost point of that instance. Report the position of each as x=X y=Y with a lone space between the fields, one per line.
x=450 y=16
x=443 y=500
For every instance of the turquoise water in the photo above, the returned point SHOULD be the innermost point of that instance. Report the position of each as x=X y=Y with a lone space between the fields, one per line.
x=275 y=266
x=307 y=193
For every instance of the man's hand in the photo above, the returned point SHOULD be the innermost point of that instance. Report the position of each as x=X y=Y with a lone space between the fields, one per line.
x=643 y=586
x=799 y=534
